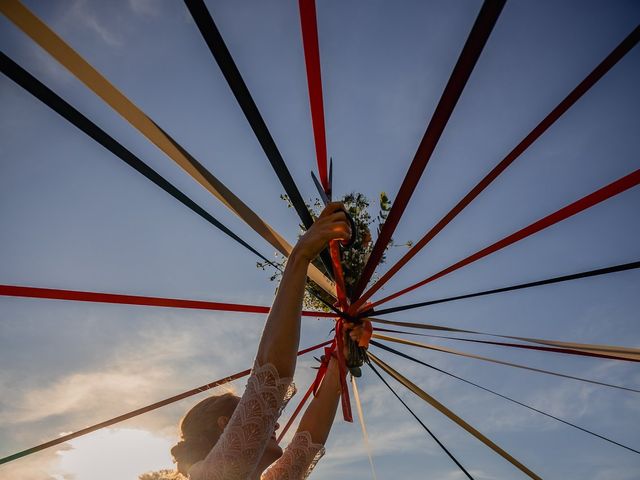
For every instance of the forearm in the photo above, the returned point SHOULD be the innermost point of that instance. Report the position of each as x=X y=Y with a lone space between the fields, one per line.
x=281 y=334
x=319 y=416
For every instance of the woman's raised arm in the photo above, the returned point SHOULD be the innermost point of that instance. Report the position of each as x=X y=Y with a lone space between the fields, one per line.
x=307 y=446
x=281 y=334
x=318 y=418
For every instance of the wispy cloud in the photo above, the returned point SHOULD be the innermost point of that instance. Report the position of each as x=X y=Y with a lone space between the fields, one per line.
x=146 y=368
x=83 y=392
x=619 y=473
x=81 y=14
x=36 y=467
x=458 y=474
x=348 y=447
x=148 y=8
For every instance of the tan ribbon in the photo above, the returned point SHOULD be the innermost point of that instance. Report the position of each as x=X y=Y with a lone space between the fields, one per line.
x=365 y=436
x=493 y=360
x=452 y=416
x=40 y=33
x=622 y=352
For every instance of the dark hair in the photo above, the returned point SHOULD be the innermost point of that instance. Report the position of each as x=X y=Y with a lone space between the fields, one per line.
x=199 y=430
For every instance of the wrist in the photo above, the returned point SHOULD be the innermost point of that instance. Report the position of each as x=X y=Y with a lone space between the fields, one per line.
x=333 y=368
x=296 y=257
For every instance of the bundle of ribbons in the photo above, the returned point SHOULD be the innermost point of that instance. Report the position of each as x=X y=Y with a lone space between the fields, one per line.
x=350 y=309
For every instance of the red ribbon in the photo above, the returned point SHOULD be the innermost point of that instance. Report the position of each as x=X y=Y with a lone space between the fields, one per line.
x=334 y=249
x=324 y=365
x=309 y=27
x=604 y=193
x=314 y=82
x=344 y=390
x=139 y=411
x=471 y=51
x=80 y=296
x=618 y=53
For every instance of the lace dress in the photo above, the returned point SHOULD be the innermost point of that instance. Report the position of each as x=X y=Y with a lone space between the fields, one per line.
x=240 y=447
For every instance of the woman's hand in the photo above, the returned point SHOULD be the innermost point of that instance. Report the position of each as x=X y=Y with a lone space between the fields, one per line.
x=281 y=336
x=358 y=332
x=354 y=331
x=332 y=224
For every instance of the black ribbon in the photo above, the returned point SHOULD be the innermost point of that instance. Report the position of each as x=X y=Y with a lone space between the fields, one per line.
x=478 y=37
x=591 y=273
x=221 y=54
x=47 y=96
x=408 y=357
x=420 y=422
x=540 y=348
x=27 y=81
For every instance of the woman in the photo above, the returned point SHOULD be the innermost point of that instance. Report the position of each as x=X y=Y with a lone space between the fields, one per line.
x=230 y=438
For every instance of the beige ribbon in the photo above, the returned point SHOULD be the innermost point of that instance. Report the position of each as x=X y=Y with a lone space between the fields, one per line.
x=40 y=33
x=493 y=360
x=365 y=436
x=452 y=416
x=614 y=350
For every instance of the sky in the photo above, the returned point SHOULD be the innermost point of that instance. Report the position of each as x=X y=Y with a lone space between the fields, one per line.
x=74 y=216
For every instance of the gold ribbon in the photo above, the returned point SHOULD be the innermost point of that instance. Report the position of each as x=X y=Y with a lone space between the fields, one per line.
x=452 y=416
x=365 y=436
x=493 y=360
x=623 y=352
x=40 y=33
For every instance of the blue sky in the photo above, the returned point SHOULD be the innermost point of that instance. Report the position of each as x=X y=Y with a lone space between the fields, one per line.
x=74 y=216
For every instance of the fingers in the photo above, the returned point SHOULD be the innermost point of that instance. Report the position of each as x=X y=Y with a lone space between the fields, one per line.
x=335 y=226
x=351 y=325
x=335 y=215
x=354 y=331
x=340 y=220
x=331 y=225
x=331 y=208
x=339 y=216
x=341 y=232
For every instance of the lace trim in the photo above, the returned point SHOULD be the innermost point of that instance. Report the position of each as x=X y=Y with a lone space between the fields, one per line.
x=236 y=454
x=298 y=460
x=319 y=449
x=288 y=395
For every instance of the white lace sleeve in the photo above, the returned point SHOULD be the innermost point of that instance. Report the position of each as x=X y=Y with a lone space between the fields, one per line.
x=297 y=461
x=236 y=454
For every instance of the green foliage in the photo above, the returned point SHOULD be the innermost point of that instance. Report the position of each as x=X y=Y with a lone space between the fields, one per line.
x=162 y=475
x=354 y=258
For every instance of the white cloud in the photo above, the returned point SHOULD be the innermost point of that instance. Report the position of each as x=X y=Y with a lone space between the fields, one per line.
x=348 y=447
x=49 y=66
x=36 y=467
x=149 y=8
x=81 y=14
x=619 y=473
x=92 y=457
x=458 y=474
x=150 y=366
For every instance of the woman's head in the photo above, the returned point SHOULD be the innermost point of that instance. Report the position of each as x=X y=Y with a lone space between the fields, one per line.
x=201 y=428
